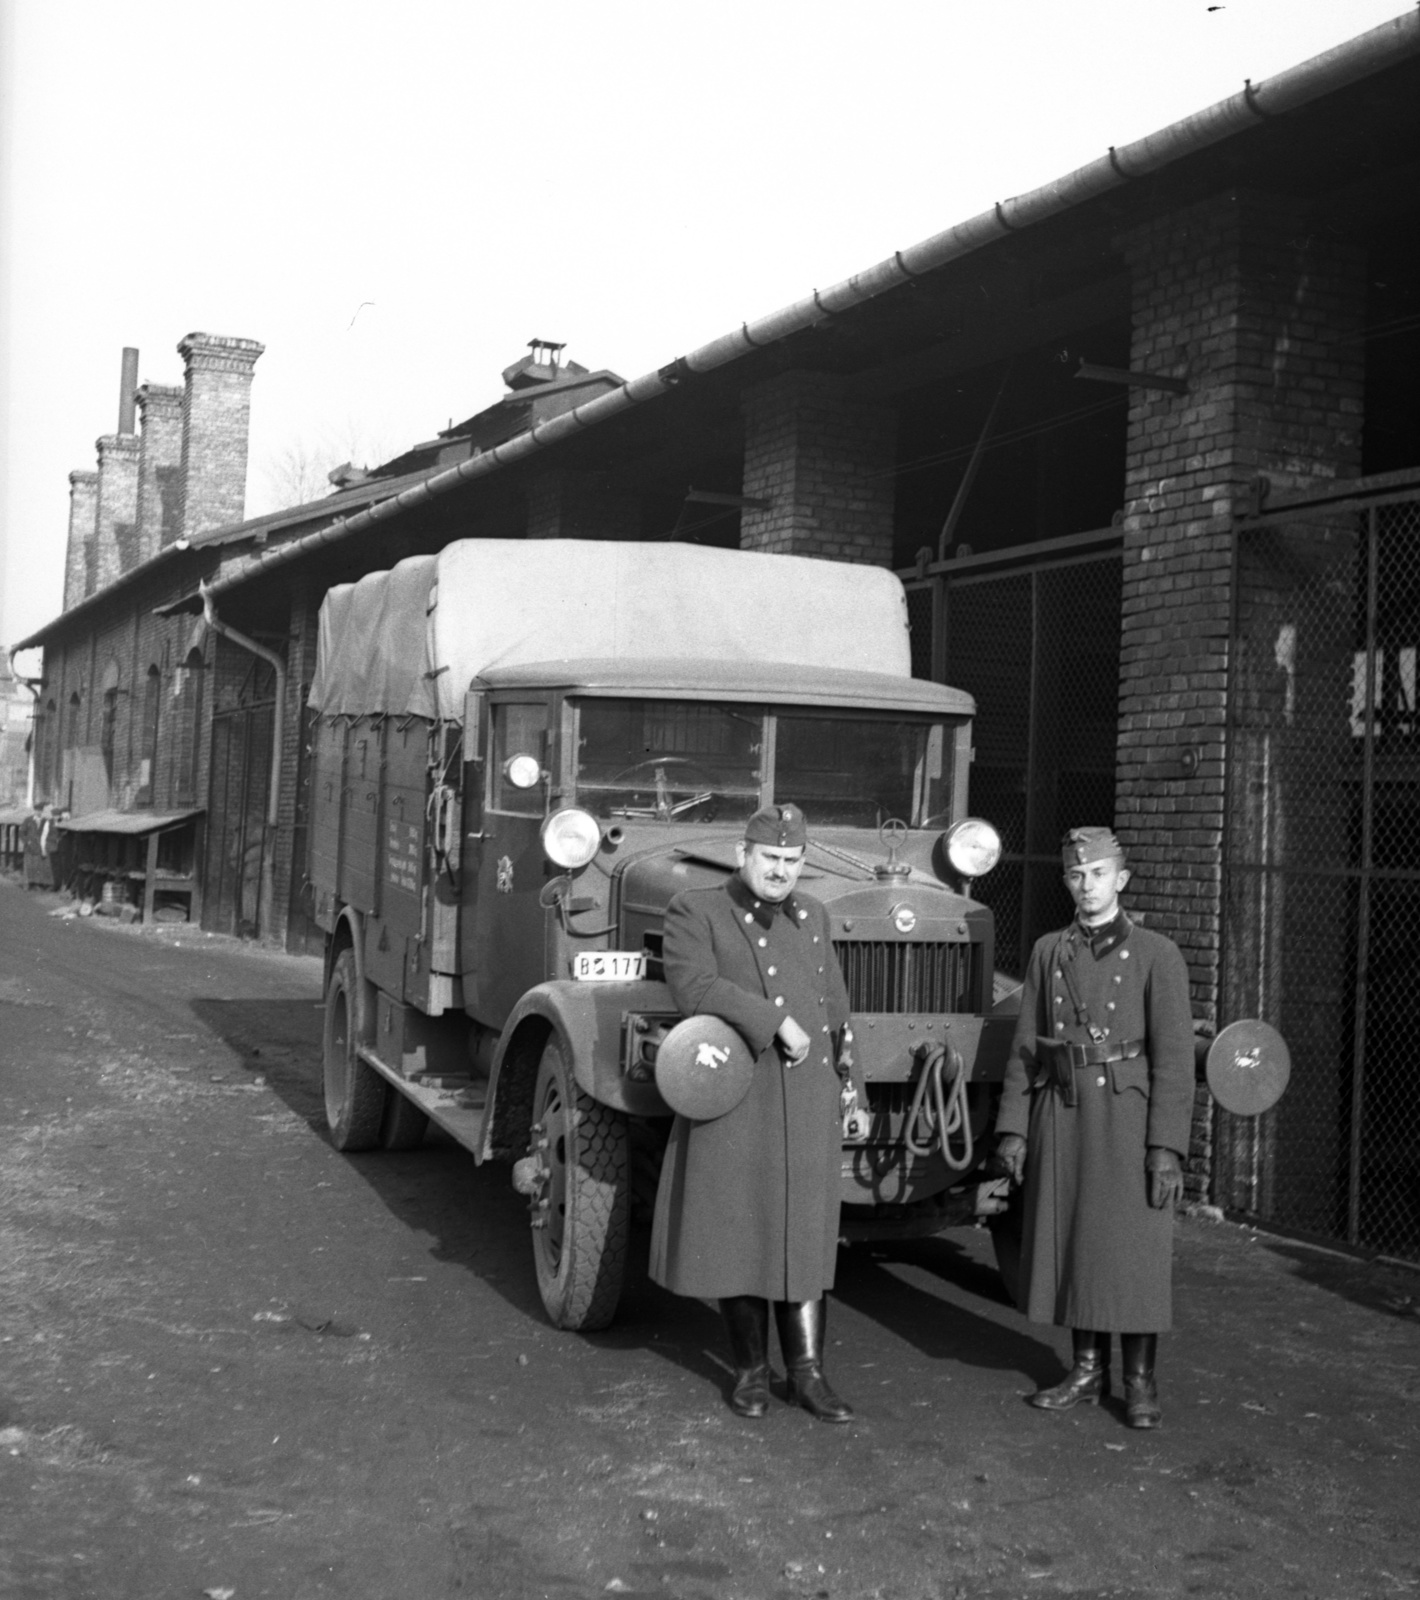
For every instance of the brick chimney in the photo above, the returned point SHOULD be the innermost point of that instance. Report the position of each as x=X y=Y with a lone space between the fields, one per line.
x=216 y=410
x=159 y=468
x=116 y=522
x=79 y=563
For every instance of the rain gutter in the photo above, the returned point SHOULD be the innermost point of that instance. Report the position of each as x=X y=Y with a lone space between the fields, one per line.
x=1348 y=63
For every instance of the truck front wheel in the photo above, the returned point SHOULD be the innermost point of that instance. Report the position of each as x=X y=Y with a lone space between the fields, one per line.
x=581 y=1201
x=355 y=1093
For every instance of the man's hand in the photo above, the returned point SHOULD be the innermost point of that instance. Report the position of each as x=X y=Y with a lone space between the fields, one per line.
x=793 y=1041
x=1165 y=1177
x=1011 y=1154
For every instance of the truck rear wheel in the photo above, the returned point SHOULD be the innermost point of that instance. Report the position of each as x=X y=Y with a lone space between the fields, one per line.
x=355 y=1093
x=581 y=1214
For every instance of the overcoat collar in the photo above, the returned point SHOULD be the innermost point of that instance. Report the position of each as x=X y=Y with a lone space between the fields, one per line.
x=1101 y=940
x=763 y=911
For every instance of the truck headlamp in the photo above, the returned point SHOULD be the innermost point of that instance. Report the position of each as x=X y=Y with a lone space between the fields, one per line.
x=972 y=846
x=571 y=837
x=522 y=772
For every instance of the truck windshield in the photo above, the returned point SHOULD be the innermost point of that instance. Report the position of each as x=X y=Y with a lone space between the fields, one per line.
x=856 y=771
x=669 y=760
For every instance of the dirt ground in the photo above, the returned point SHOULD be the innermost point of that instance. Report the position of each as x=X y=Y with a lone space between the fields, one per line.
x=236 y=1363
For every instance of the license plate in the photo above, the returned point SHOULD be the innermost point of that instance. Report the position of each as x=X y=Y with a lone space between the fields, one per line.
x=594 y=966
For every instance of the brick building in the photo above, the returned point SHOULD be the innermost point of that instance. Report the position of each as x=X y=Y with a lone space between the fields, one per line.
x=1143 y=444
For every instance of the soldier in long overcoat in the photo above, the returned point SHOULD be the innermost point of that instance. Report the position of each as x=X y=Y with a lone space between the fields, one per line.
x=1094 y=1118
x=747 y=1209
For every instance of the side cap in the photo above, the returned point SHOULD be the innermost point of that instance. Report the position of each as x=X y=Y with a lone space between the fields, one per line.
x=1248 y=1066
x=703 y=1068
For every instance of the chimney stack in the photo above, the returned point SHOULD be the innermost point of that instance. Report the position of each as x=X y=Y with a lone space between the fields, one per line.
x=79 y=565
x=127 y=385
x=159 y=468
x=216 y=414
x=116 y=522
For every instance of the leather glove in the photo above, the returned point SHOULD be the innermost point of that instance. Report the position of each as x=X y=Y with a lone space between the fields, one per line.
x=1165 y=1177
x=1011 y=1154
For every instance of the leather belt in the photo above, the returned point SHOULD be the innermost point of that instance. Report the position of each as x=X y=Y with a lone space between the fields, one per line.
x=1058 y=1056
x=1097 y=1055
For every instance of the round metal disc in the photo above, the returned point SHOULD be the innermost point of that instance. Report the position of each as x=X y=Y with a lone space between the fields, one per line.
x=1248 y=1067
x=703 y=1068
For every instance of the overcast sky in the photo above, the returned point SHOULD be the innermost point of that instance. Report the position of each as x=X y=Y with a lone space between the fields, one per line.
x=395 y=198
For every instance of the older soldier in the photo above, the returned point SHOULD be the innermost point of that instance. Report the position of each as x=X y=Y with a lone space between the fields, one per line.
x=1094 y=1118
x=747 y=1211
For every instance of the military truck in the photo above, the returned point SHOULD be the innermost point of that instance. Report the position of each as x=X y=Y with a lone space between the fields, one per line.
x=521 y=752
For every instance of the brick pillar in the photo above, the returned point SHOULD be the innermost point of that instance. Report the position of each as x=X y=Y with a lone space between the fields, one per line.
x=79 y=559
x=579 y=505
x=159 y=467
x=116 y=520
x=825 y=464
x=1238 y=298
x=216 y=411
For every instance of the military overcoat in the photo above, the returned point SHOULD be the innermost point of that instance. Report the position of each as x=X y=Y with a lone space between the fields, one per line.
x=1095 y=1254
x=748 y=1204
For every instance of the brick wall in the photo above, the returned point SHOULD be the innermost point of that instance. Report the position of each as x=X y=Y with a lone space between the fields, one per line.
x=79 y=557
x=116 y=516
x=159 y=467
x=1237 y=297
x=216 y=413
x=579 y=505
x=825 y=464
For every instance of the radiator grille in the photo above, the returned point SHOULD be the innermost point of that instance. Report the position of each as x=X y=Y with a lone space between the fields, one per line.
x=887 y=975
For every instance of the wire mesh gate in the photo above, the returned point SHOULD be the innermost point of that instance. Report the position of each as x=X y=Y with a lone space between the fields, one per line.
x=1037 y=644
x=1322 y=867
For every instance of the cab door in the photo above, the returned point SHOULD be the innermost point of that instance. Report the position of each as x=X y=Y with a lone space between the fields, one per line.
x=505 y=938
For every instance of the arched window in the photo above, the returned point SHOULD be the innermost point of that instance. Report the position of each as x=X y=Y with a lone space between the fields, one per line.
x=108 y=725
x=73 y=738
x=188 y=729
x=148 y=767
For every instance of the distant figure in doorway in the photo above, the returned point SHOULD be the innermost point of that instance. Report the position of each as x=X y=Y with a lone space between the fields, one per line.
x=1094 y=1120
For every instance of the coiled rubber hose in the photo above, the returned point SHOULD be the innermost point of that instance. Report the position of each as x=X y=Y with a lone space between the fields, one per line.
x=940 y=1111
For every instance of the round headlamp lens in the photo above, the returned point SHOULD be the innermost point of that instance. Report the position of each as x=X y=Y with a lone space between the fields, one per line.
x=972 y=846
x=571 y=837
x=522 y=771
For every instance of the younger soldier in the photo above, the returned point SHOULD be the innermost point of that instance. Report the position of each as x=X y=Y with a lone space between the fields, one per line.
x=1094 y=1119
x=747 y=1210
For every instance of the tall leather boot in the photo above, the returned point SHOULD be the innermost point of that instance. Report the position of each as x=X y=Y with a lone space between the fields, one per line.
x=801 y=1329
x=1087 y=1382
x=747 y=1323
x=1138 y=1352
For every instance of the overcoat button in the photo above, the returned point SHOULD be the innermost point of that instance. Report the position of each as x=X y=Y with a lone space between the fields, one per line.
x=778 y=999
x=762 y=941
x=772 y=971
x=1124 y=955
x=1100 y=1081
x=1059 y=1027
x=749 y=916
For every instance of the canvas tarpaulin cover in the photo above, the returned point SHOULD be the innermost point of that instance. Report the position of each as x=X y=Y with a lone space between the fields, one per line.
x=410 y=640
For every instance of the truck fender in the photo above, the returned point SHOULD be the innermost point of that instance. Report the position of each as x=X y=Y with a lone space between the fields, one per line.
x=347 y=933
x=589 y=1019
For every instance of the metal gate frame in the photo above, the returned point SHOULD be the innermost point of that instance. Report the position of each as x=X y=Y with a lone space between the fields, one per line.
x=1025 y=909
x=1247 y=1149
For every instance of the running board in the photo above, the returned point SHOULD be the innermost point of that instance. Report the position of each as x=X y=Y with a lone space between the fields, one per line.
x=456 y=1105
